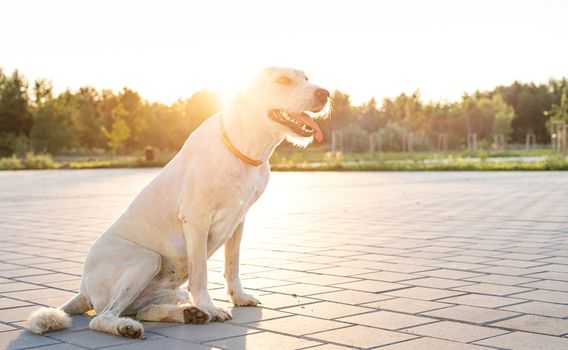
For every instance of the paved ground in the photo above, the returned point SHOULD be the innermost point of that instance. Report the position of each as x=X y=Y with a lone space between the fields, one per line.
x=340 y=260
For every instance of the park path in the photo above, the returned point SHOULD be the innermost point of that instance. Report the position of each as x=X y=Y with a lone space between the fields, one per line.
x=444 y=260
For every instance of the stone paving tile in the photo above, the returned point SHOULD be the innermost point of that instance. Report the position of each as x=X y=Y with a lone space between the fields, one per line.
x=5 y=327
x=331 y=347
x=540 y=308
x=202 y=333
x=15 y=340
x=298 y=325
x=327 y=310
x=40 y=295
x=423 y=293
x=161 y=343
x=371 y=286
x=387 y=320
x=263 y=341
x=388 y=276
x=9 y=303
x=432 y=344
x=254 y=314
x=64 y=346
x=17 y=286
x=324 y=280
x=459 y=332
x=545 y=295
x=403 y=268
x=278 y=301
x=92 y=340
x=17 y=314
x=481 y=300
x=505 y=270
x=502 y=279
x=25 y=272
x=263 y=283
x=361 y=336
x=301 y=289
x=550 y=275
x=411 y=306
x=343 y=271
x=470 y=314
x=537 y=324
x=48 y=278
x=526 y=341
x=434 y=282
x=450 y=274
x=351 y=297
x=493 y=289
x=552 y=285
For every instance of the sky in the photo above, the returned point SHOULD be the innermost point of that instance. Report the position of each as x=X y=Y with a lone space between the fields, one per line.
x=171 y=49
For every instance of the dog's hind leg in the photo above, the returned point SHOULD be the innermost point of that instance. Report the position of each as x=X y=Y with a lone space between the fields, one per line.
x=178 y=313
x=172 y=305
x=116 y=272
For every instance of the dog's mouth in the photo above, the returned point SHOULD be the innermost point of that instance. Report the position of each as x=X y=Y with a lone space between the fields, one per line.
x=300 y=123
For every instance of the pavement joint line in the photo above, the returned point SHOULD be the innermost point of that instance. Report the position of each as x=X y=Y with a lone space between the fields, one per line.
x=399 y=342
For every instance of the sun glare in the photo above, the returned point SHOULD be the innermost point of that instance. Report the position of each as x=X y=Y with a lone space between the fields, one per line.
x=368 y=48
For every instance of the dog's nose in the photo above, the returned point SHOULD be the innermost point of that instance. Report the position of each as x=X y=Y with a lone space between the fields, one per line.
x=321 y=95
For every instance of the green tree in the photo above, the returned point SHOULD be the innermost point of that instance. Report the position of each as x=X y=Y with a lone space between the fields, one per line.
x=55 y=125
x=503 y=115
x=529 y=102
x=15 y=114
x=199 y=107
x=117 y=135
x=560 y=111
x=342 y=114
x=89 y=120
x=371 y=119
x=133 y=111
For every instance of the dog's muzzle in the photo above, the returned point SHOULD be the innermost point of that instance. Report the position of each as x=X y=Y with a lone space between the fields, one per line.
x=299 y=123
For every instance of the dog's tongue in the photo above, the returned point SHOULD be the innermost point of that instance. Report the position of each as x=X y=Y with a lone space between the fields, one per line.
x=304 y=118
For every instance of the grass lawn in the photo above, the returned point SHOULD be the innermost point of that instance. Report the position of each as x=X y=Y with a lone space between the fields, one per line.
x=315 y=159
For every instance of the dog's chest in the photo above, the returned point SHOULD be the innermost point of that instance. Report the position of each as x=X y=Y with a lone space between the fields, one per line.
x=232 y=207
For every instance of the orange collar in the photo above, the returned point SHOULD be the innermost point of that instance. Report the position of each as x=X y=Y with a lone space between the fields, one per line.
x=234 y=149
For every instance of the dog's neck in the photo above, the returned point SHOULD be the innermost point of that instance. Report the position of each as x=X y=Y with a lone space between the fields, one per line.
x=250 y=133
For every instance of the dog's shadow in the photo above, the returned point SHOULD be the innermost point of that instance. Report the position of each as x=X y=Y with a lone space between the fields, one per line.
x=243 y=317
x=25 y=339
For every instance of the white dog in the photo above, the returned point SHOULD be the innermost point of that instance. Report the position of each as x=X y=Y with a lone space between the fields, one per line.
x=195 y=205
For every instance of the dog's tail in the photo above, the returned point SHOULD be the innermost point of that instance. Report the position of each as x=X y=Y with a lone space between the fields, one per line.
x=49 y=319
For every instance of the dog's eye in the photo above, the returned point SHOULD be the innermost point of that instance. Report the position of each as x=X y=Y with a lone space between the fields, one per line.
x=284 y=81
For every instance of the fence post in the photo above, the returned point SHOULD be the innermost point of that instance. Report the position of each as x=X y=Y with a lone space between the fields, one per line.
x=530 y=141
x=472 y=142
x=336 y=140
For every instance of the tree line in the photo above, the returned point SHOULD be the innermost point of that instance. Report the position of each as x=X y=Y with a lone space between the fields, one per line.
x=506 y=113
x=34 y=118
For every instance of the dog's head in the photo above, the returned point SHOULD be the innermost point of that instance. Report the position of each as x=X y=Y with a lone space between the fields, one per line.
x=289 y=104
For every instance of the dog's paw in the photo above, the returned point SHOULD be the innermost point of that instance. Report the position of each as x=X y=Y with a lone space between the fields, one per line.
x=130 y=328
x=244 y=299
x=195 y=316
x=219 y=314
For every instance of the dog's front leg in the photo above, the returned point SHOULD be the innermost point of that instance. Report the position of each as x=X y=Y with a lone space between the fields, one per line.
x=196 y=243
x=234 y=286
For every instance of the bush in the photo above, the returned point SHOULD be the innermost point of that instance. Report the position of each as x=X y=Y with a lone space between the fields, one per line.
x=13 y=144
x=11 y=163
x=39 y=161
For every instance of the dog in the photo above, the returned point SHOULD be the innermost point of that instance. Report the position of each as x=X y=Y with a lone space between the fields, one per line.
x=195 y=205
